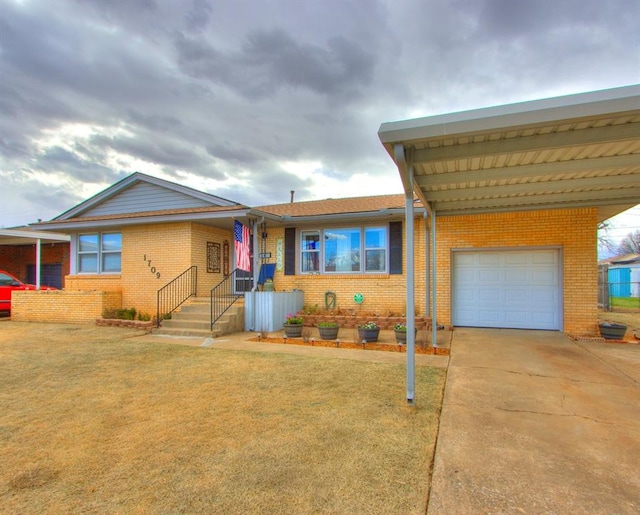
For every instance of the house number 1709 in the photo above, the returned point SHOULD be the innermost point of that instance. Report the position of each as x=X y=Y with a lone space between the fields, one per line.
x=152 y=268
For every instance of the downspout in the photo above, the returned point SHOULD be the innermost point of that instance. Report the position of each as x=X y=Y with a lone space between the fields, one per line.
x=406 y=173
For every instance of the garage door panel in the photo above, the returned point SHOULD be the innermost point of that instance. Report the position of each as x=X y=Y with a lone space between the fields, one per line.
x=488 y=317
x=514 y=276
x=517 y=296
x=492 y=297
x=541 y=295
x=515 y=259
x=487 y=259
x=544 y=275
x=488 y=276
x=548 y=257
x=512 y=289
x=516 y=317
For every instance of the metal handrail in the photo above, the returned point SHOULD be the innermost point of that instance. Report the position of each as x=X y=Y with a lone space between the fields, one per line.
x=223 y=296
x=173 y=294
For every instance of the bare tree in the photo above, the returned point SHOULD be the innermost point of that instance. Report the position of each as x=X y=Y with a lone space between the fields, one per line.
x=604 y=240
x=630 y=244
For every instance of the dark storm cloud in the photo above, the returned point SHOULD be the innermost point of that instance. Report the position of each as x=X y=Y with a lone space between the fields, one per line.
x=271 y=60
x=233 y=152
x=57 y=159
x=163 y=151
x=227 y=91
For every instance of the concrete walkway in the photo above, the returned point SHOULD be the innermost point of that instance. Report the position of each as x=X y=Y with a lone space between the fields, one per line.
x=533 y=422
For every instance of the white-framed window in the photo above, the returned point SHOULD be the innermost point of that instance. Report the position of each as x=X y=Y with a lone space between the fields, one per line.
x=100 y=253
x=310 y=262
x=375 y=249
x=340 y=250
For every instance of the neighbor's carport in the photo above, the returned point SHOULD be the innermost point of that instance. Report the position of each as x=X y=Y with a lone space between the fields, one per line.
x=30 y=237
x=564 y=152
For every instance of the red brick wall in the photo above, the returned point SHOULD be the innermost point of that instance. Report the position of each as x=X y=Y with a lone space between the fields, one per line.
x=15 y=258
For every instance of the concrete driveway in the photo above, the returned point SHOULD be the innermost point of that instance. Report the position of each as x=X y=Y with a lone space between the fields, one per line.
x=533 y=422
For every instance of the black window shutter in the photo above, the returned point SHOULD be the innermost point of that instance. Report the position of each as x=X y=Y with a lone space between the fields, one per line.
x=290 y=251
x=395 y=247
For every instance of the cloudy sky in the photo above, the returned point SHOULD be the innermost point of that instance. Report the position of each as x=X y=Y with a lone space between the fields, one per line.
x=249 y=99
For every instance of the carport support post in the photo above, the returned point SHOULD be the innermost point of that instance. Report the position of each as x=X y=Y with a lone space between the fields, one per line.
x=38 y=259
x=411 y=308
x=434 y=323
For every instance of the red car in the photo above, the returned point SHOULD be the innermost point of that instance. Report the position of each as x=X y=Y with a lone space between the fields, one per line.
x=9 y=283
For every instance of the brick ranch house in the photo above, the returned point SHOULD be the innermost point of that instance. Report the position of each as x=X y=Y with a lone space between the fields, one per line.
x=509 y=197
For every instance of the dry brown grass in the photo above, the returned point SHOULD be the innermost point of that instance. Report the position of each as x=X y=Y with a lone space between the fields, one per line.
x=94 y=421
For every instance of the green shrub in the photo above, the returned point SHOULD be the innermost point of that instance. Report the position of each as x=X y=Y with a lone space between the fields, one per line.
x=120 y=314
x=327 y=324
x=110 y=313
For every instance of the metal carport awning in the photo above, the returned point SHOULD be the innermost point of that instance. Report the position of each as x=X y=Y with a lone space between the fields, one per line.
x=564 y=152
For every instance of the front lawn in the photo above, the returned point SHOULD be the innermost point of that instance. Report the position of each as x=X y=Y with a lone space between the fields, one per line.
x=93 y=420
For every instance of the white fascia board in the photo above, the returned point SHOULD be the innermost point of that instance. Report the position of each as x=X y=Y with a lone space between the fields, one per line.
x=34 y=235
x=535 y=112
x=146 y=220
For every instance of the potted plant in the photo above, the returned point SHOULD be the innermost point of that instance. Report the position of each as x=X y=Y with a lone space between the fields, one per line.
x=268 y=284
x=368 y=332
x=400 y=331
x=293 y=325
x=328 y=330
x=612 y=331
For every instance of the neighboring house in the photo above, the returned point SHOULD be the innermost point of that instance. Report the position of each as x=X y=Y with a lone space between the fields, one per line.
x=508 y=197
x=35 y=257
x=624 y=276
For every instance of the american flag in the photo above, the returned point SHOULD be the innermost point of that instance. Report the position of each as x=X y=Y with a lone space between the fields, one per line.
x=241 y=245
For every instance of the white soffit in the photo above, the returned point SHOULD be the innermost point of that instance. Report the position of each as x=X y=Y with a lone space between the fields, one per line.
x=565 y=152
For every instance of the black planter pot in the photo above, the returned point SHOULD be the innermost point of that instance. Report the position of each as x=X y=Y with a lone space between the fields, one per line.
x=328 y=333
x=401 y=336
x=293 y=330
x=612 y=331
x=370 y=335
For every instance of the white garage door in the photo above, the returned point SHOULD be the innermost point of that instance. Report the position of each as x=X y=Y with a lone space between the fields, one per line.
x=512 y=289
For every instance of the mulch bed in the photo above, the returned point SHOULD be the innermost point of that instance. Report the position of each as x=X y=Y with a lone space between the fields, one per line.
x=438 y=351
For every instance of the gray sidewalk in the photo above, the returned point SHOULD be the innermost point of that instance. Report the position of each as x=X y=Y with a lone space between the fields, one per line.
x=533 y=422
